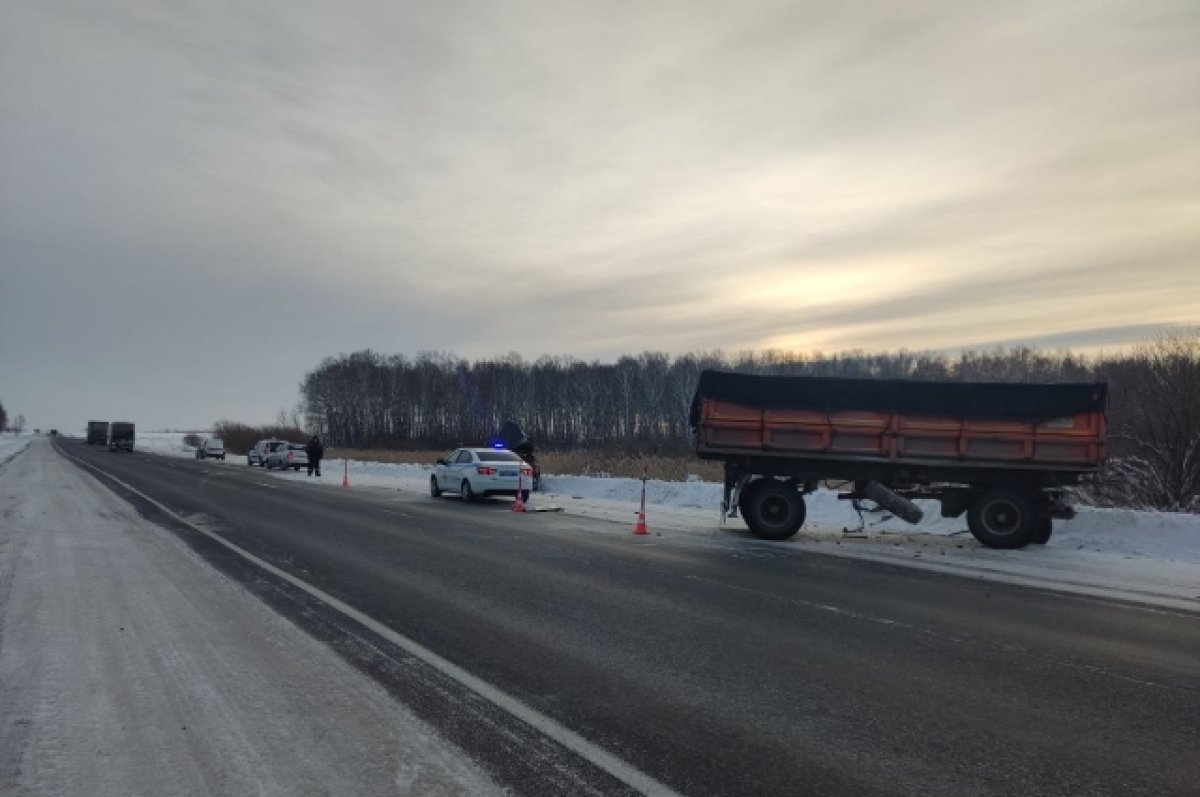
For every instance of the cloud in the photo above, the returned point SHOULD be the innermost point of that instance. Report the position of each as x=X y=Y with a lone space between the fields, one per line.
x=591 y=179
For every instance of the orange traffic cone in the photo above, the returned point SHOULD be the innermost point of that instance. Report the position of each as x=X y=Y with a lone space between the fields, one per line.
x=346 y=473
x=519 y=504
x=640 y=526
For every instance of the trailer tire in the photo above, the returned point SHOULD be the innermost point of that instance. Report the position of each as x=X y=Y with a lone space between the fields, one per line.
x=1002 y=518
x=773 y=509
x=1042 y=531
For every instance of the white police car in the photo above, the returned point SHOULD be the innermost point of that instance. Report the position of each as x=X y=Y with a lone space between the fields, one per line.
x=476 y=473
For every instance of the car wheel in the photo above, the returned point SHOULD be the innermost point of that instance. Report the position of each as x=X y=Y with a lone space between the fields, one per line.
x=466 y=492
x=773 y=509
x=1002 y=518
x=434 y=490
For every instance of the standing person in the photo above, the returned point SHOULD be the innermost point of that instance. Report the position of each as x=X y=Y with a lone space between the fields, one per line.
x=315 y=451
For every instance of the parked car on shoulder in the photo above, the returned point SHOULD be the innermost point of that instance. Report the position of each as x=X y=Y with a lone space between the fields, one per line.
x=211 y=448
x=476 y=473
x=258 y=454
x=283 y=454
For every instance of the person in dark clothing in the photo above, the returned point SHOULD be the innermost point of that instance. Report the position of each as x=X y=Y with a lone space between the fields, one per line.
x=315 y=451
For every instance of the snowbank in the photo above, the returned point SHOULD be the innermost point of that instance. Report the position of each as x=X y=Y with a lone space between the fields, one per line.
x=11 y=445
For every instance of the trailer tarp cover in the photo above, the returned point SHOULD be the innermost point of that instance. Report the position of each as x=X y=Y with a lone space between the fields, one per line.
x=945 y=399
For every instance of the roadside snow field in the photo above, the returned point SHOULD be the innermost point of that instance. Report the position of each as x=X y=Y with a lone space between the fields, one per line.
x=11 y=445
x=1137 y=555
x=129 y=665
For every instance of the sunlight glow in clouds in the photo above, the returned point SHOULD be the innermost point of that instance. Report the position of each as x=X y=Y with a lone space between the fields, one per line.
x=591 y=179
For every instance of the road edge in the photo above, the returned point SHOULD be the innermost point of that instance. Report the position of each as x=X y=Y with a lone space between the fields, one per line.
x=603 y=760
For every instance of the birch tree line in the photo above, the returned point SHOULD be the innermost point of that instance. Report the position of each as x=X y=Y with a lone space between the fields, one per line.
x=640 y=404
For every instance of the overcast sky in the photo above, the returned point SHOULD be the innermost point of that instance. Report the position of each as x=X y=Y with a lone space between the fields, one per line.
x=199 y=201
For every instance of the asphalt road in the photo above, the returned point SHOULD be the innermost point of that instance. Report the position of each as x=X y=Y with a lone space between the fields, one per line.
x=727 y=668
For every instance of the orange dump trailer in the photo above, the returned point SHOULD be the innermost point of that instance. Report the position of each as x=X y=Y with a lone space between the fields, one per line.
x=1001 y=452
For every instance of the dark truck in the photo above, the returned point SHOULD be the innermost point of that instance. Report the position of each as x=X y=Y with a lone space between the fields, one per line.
x=120 y=436
x=1003 y=453
x=97 y=433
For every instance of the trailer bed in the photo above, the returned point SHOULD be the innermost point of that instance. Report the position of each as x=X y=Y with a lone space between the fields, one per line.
x=1001 y=452
x=1071 y=443
x=944 y=424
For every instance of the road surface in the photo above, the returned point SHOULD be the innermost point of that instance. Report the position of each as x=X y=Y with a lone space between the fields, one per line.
x=728 y=668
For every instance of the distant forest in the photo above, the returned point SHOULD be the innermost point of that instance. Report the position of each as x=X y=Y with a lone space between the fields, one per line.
x=639 y=404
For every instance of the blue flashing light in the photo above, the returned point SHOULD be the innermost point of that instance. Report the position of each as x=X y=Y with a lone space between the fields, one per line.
x=497 y=445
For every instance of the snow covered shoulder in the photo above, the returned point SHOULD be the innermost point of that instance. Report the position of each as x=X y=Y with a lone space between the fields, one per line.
x=11 y=445
x=128 y=665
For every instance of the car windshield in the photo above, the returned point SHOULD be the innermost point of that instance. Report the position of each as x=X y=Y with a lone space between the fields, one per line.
x=295 y=447
x=498 y=456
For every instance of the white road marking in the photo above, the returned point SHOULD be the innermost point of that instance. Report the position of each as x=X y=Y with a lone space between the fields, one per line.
x=260 y=484
x=601 y=758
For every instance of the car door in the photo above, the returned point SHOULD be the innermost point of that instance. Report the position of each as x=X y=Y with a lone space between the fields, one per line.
x=463 y=466
x=443 y=471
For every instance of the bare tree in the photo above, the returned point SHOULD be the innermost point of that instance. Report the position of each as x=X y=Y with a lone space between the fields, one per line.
x=1155 y=422
x=640 y=404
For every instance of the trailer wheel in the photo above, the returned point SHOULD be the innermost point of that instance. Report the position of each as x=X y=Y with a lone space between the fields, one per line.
x=1002 y=518
x=1042 y=531
x=774 y=510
